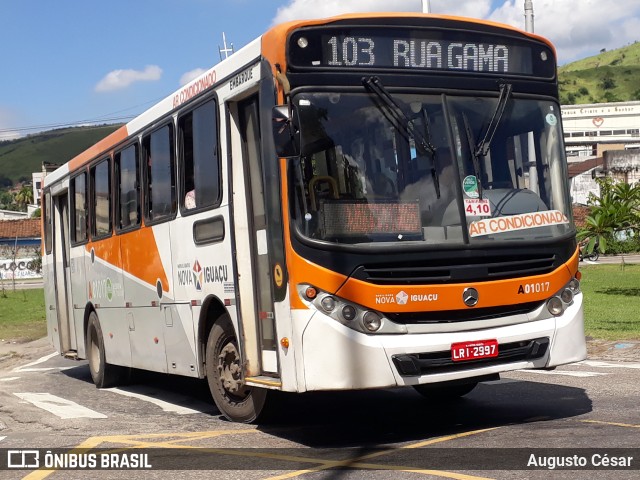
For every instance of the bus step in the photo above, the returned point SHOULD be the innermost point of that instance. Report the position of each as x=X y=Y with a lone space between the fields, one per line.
x=71 y=355
x=264 y=381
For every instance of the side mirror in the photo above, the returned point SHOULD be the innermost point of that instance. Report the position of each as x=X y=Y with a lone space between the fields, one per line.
x=286 y=135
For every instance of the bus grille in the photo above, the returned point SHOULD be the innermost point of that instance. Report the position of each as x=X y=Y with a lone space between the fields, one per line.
x=460 y=269
x=466 y=315
x=441 y=362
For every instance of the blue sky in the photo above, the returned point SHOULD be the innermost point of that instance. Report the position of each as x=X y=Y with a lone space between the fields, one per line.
x=68 y=62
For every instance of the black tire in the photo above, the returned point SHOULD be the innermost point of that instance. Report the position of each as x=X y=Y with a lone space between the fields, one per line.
x=444 y=392
x=594 y=256
x=103 y=374
x=223 y=365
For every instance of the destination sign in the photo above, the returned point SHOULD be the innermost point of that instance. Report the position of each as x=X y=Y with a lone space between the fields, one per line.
x=419 y=49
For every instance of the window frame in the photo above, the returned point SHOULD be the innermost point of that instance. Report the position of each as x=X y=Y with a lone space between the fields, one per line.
x=72 y=209
x=47 y=221
x=182 y=191
x=117 y=188
x=92 y=196
x=145 y=173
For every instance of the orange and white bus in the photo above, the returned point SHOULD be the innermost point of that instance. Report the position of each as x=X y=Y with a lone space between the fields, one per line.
x=365 y=201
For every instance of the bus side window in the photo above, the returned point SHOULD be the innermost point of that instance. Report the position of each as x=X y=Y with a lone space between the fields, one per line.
x=126 y=167
x=199 y=157
x=79 y=208
x=101 y=199
x=159 y=178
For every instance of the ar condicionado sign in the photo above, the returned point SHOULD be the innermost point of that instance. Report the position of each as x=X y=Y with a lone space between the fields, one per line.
x=491 y=226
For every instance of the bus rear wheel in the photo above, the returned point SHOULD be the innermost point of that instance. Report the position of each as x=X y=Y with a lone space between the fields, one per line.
x=103 y=374
x=440 y=392
x=235 y=400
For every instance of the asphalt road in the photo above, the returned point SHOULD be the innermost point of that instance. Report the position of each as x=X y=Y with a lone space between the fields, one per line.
x=50 y=403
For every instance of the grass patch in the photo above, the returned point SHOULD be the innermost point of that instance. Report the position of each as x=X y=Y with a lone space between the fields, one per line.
x=22 y=314
x=611 y=301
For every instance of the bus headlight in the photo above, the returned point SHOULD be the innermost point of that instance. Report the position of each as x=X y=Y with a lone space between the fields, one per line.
x=563 y=298
x=567 y=295
x=328 y=303
x=555 y=306
x=348 y=313
x=372 y=321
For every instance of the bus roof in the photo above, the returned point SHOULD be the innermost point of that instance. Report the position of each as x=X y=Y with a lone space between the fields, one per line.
x=272 y=48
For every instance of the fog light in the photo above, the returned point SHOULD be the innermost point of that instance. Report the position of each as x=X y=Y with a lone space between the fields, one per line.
x=567 y=295
x=554 y=305
x=372 y=321
x=328 y=303
x=348 y=312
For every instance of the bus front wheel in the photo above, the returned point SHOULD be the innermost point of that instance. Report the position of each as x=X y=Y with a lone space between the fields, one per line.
x=223 y=365
x=103 y=374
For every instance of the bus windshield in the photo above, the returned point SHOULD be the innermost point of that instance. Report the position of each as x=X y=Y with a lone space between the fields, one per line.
x=380 y=167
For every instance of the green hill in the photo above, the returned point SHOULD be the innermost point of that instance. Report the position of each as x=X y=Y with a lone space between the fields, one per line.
x=20 y=157
x=612 y=76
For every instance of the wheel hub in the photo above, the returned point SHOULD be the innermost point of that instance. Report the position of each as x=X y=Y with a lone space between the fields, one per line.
x=229 y=368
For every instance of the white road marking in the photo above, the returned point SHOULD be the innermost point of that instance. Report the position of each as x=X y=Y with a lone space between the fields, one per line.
x=568 y=373
x=173 y=403
x=40 y=360
x=8 y=379
x=2 y=438
x=597 y=363
x=60 y=407
x=41 y=369
x=27 y=367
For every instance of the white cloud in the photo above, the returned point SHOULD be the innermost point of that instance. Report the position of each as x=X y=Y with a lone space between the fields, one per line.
x=118 y=79
x=299 y=9
x=577 y=29
x=191 y=75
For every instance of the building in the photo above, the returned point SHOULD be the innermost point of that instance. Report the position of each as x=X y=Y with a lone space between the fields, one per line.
x=593 y=128
x=20 y=242
x=601 y=140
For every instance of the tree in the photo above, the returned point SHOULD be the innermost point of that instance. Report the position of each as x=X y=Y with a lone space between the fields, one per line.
x=615 y=210
x=25 y=196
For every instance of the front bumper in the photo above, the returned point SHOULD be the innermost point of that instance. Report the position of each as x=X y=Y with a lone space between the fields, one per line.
x=336 y=357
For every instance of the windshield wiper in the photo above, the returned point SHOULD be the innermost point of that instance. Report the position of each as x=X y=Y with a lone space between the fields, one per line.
x=401 y=122
x=483 y=147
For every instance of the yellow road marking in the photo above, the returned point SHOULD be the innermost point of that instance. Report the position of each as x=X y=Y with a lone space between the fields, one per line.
x=611 y=423
x=354 y=462
x=145 y=441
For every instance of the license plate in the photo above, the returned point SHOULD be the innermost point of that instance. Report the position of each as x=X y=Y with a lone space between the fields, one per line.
x=474 y=350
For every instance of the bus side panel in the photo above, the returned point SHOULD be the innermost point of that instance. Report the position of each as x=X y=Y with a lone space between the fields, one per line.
x=146 y=317
x=79 y=294
x=106 y=294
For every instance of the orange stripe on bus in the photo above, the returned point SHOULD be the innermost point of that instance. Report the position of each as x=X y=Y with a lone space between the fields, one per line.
x=136 y=253
x=99 y=148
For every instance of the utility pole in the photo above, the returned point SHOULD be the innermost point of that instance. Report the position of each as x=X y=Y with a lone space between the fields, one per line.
x=528 y=15
x=426 y=6
x=225 y=50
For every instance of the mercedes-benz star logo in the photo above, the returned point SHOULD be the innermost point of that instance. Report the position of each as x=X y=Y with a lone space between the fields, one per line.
x=470 y=297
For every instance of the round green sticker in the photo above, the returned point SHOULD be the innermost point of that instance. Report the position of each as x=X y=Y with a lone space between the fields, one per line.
x=470 y=186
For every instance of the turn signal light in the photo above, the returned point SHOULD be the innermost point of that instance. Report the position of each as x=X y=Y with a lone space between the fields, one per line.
x=311 y=293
